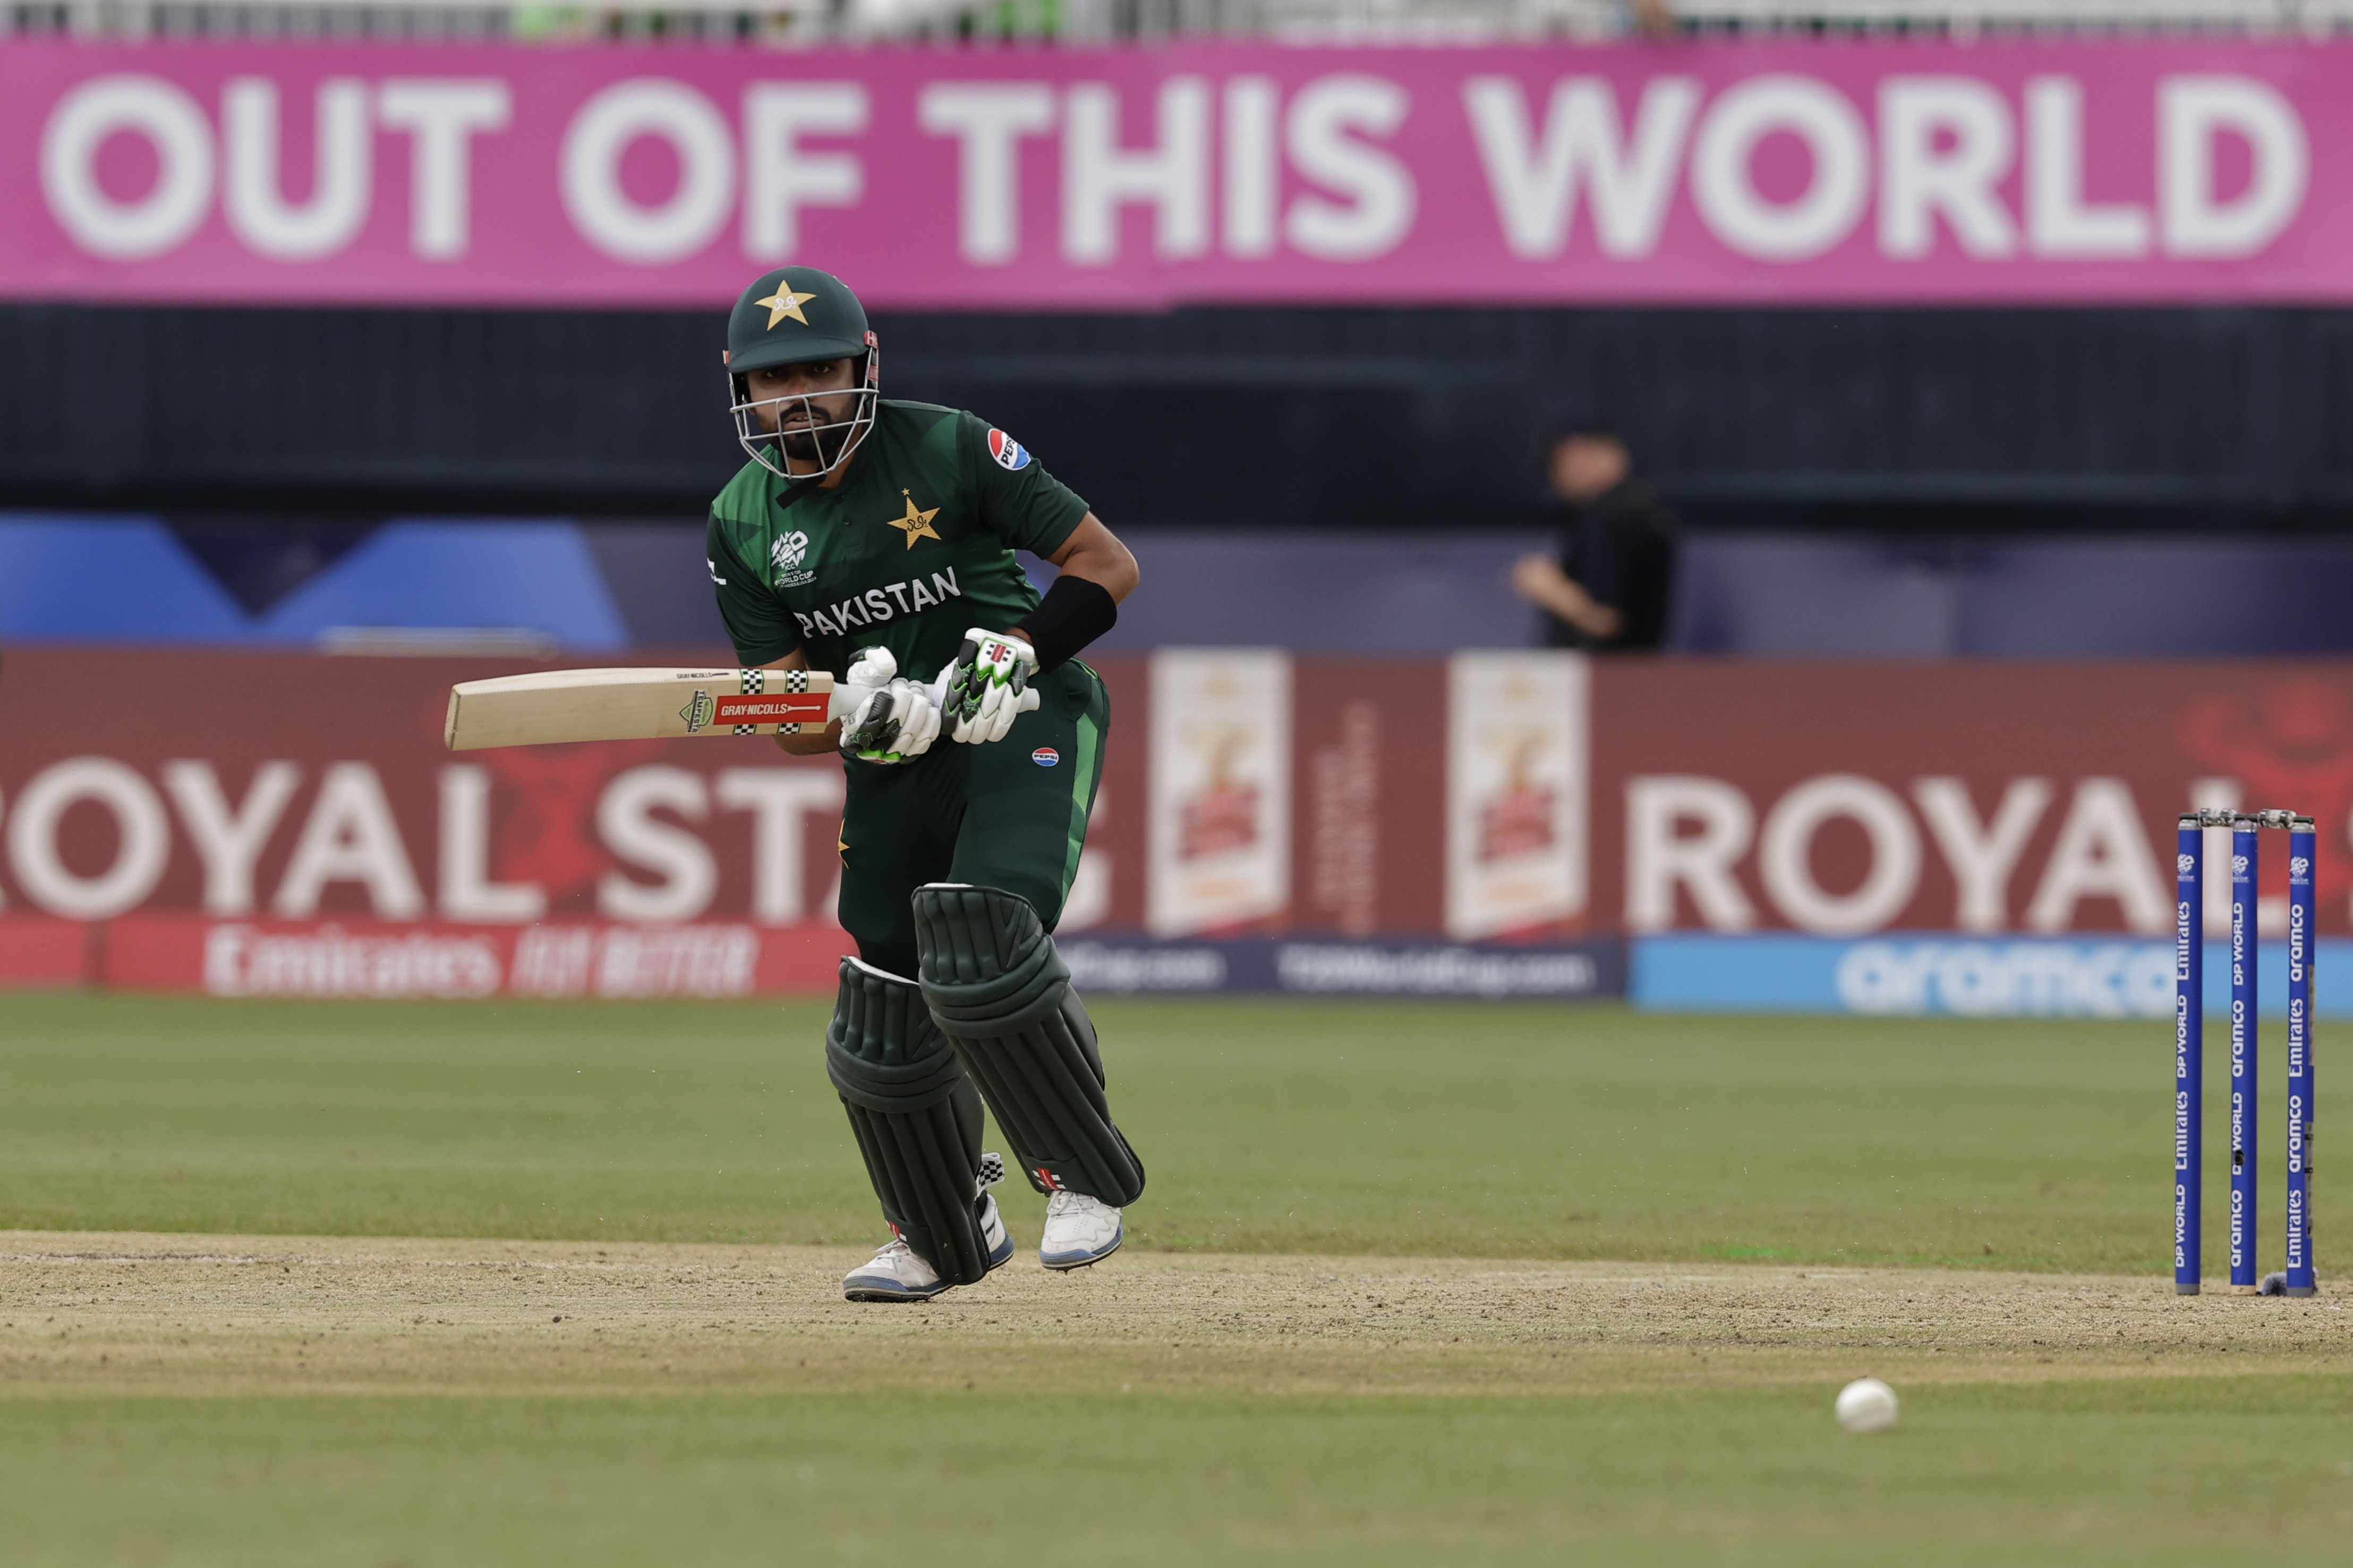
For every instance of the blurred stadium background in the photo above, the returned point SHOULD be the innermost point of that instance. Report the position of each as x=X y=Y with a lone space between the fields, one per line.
x=1985 y=529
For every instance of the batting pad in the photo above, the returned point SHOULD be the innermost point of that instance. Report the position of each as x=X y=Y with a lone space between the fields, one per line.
x=1003 y=996
x=916 y=1115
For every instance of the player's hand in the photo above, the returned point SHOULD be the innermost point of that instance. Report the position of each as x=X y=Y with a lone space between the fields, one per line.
x=986 y=686
x=871 y=670
x=896 y=724
x=889 y=719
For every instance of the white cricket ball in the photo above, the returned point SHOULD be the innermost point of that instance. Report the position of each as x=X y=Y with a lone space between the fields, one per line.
x=1866 y=1404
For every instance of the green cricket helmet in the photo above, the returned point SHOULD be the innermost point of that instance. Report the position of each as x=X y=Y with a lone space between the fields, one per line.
x=792 y=316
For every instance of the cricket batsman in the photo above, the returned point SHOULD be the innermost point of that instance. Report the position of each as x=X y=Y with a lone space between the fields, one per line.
x=874 y=540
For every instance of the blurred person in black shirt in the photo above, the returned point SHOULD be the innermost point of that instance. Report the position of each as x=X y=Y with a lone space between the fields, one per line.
x=1608 y=590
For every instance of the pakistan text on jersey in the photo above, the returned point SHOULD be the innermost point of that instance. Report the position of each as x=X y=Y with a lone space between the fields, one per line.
x=910 y=597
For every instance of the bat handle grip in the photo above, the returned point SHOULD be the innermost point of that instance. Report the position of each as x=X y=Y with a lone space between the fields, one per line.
x=846 y=698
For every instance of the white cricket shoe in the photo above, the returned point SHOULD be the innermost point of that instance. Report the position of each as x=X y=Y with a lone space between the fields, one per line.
x=897 y=1272
x=1080 y=1230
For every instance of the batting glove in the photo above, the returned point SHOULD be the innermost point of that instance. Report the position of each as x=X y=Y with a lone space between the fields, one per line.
x=889 y=719
x=987 y=687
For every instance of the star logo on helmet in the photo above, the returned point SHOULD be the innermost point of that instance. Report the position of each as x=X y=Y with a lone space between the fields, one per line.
x=784 y=304
x=915 y=524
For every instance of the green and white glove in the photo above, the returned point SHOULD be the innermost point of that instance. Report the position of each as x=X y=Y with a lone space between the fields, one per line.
x=987 y=687
x=889 y=719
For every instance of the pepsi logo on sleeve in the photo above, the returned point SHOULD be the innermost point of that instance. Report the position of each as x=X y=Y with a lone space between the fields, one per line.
x=1009 y=453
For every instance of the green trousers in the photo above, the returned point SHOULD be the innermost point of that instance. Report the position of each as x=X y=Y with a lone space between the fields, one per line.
x=1009 y=814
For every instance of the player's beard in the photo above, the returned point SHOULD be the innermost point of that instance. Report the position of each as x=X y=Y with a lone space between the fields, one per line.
x=820 y=442
x=800 y=446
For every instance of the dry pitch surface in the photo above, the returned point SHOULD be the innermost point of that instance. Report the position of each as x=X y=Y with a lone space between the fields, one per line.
x=131 y=1313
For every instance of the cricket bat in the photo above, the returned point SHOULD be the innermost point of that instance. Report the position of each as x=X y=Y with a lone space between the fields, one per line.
x=560 y=705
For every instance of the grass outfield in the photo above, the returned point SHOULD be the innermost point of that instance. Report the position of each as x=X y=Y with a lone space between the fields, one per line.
x=1396 y=1129
x=639 y=1373
x=2057 y=1472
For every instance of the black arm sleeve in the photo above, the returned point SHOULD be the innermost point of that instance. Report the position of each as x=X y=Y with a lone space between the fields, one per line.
x=1074 y=612
x=762 y=629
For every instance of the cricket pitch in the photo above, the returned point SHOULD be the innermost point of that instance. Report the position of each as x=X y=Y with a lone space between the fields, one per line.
x=134 y=1313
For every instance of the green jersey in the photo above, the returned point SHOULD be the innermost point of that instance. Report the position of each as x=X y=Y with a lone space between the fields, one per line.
x=913 y=547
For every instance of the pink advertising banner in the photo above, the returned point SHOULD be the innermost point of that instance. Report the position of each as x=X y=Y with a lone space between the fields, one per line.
x=1142 y=177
